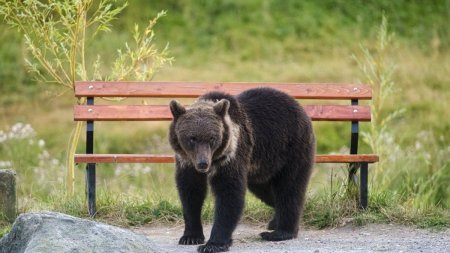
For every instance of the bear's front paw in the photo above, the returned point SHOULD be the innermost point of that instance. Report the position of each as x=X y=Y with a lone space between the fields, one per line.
x=191 y=240
x=213 y=247
x=276 y=235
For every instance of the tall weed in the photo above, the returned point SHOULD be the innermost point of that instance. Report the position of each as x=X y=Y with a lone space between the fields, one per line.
x=378 y=73
x=418 y=174
x=56 y=35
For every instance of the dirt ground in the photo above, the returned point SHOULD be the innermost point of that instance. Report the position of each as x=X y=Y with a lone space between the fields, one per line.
x=370 y=238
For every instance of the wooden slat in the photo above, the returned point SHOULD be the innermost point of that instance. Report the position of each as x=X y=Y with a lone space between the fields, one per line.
x=195 y=89
x=123 y=158
x=346 y=158
x=162 y=112
x=152 y=158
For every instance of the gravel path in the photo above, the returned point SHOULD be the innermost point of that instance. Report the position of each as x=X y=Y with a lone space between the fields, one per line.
x=370 y=238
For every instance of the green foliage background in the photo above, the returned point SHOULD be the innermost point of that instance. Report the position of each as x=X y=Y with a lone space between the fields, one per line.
x=252 y=30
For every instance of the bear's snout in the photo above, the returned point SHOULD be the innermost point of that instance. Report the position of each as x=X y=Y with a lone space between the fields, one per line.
x=202 y=158
x=203 y=166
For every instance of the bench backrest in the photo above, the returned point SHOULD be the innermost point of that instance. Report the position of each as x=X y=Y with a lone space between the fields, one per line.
x=121 y=112
x=115 y=112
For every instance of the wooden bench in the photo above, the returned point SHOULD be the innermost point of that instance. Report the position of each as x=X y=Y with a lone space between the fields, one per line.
x=90 y=113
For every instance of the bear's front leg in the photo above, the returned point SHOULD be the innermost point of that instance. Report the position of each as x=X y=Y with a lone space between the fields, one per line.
x=192 y=190
x=229 y=191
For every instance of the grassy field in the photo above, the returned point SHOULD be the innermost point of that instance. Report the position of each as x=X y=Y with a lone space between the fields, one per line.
x=280 y=41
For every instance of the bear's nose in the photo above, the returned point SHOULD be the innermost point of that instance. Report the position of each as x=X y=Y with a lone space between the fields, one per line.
x=203 y=165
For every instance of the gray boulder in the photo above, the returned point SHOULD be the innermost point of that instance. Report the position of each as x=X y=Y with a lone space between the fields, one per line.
x=55 y=232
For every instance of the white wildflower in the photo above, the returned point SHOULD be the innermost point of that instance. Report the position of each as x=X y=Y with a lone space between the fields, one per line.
x=16 y=127
x=3 y=136
x=21 y=131
x=41 y=143
x=5 y=164
x=27 y=131
x=418 y=145
x=146 y=169
x=55 y=162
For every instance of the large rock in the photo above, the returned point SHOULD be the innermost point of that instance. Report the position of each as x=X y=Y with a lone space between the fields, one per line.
x=55 y=232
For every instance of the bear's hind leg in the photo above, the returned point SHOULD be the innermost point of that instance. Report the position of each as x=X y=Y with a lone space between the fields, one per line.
x=265 y=193
x=192 y=189
x=285 y=222
x=289 y=192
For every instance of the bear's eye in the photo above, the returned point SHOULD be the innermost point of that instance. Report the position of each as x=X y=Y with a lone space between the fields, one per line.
x=192 y=140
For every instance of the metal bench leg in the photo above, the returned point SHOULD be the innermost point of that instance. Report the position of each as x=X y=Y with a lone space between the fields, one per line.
x=90 y=167
x=354 y=137
x=363 y=185
x=90 y=191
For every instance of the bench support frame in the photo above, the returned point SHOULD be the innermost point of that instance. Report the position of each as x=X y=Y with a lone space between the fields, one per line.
x=90 y=167
x=353 y=167
x=363 y=187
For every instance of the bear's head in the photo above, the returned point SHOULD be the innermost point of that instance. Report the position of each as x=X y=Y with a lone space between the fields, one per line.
x=198 y=133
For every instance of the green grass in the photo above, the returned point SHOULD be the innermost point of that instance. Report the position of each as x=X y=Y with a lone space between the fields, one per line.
x=4 y=229
x=287 y=41
x=5 y=225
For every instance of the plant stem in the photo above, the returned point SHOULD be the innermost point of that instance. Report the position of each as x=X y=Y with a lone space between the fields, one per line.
x=73 y=143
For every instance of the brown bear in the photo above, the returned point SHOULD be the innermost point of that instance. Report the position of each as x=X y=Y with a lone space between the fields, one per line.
x=261 y=139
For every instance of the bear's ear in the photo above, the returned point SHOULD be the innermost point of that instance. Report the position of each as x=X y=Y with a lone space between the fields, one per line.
x=221 y=107
x=177 y=109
